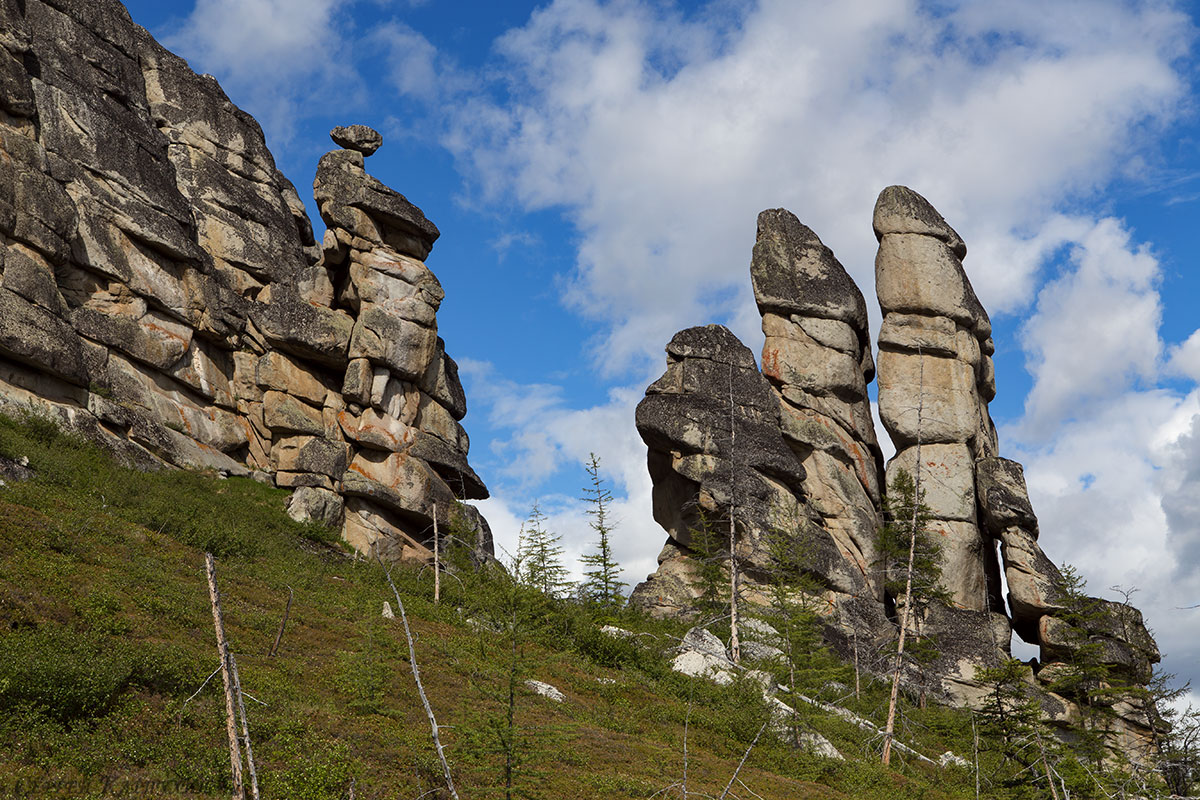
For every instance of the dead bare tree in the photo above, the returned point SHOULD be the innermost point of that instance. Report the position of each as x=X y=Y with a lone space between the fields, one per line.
x=282 y=623
x=235 y=752
x=416 y=671
x=735 y=650
x=742 y=763
x=906 y=618
x=241 y=705
x=437 y=561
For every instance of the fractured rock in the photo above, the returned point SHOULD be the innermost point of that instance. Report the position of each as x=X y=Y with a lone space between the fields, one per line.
x=162 y=292
x=930 y=398
x=815 y=356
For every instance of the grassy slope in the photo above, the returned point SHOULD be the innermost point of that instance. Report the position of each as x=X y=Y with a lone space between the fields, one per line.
x=105 y=631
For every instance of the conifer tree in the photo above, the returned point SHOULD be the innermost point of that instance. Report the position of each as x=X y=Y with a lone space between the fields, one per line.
x=708 y=547
x=602 y=575
x=1084 y=676
x=911 y=562
x=1011 y=725
x=539 y=556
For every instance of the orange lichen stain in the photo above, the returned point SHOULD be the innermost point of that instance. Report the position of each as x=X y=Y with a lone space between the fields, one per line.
x=770 y=362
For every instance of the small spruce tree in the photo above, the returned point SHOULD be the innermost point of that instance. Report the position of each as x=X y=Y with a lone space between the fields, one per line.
x=602 y=575
x=539 y=556
x=911 y=563
x=709 y=546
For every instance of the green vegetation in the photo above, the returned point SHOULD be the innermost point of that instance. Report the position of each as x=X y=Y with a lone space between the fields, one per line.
x=602 y=577
x=106 y=635
x=538 y=563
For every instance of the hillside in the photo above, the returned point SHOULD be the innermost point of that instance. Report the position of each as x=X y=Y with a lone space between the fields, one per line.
x=108 y=639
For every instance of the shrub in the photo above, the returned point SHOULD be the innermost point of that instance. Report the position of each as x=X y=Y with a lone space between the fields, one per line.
x=63 y=674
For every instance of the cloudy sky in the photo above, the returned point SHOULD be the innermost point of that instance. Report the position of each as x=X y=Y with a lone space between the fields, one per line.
x=596 y=169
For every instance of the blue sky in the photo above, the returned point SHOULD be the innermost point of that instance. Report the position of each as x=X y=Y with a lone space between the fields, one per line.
x=596 y=169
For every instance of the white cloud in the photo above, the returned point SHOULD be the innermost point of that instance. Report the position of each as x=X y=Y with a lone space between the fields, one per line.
x=536 y=436
x=415 y=67
x=1095 y=329
x=283 y=58
x=1184 y=359
x=662 y=137
x=1112 y=462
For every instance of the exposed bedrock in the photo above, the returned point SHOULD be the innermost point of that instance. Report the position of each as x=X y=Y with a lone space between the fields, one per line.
x=712 y=426
x=792 y=449
x=817 y=358
x=161 y=288
x=935 y=381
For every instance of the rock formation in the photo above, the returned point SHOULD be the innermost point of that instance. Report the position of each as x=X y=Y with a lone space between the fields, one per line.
x=935 y=380
x=161 y=289
x=817 y=356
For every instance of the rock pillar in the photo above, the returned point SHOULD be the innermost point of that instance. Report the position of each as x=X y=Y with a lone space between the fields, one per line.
x=817 y=357
x=935 y=381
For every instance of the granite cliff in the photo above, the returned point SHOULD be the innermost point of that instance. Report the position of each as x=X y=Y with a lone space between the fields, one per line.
x=161 y=289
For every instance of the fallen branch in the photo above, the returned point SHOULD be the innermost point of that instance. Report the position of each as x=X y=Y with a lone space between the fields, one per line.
x=198 y=691
x=412 y=660
x=743 y=761
x=862 y=723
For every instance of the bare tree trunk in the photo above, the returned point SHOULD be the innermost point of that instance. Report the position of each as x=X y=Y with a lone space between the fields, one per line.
x=742 y=763
x=241 y=704
x=437 y=561
x=1046 y=766
x=282 y=623
x=412 y=658
x=906 y=617
x=686 y=720
x=235 y=751
x=857 y=671
x=975 y=736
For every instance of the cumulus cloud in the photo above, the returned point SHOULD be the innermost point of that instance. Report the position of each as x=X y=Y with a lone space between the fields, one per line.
x=662 y=136
x=1095 y=329
x=282 y=58
x=1112 y=459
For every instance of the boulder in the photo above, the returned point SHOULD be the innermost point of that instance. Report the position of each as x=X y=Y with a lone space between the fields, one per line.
x=310 y=504
x=357 y=137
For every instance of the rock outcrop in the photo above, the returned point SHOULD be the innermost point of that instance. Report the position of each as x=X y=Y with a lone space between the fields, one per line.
x=817 y=357
x=161 y=289
x=935 y=381
x=793 y=450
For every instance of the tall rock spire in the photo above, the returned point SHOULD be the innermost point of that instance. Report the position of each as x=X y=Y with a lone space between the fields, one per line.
x=817 y=356
x=935 y=381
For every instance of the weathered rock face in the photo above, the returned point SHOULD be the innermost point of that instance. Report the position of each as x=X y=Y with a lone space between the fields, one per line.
x=935 y=382
x=161 y=289
x=794 y=451
x=817 y=357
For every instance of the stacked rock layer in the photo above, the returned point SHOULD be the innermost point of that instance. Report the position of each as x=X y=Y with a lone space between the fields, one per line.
x=161 y=289
x=935 y=380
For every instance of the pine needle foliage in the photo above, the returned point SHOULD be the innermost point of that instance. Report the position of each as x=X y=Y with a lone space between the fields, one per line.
x=602 y=574
x=539 y=556
x=907 y=515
